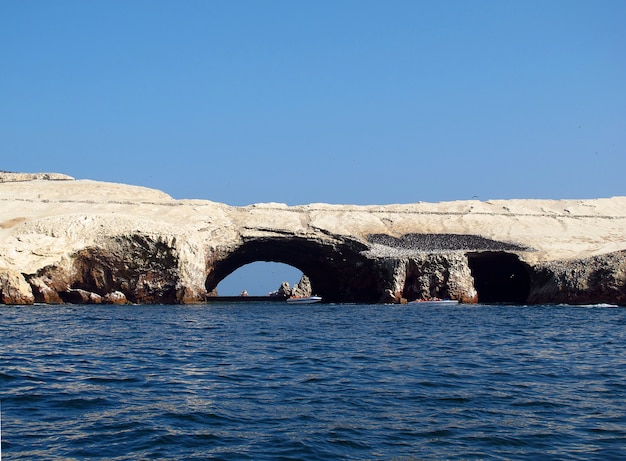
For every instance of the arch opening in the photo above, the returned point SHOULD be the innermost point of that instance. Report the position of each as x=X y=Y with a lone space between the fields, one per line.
x=258 y=279
x=337 y=271
x=499 y=277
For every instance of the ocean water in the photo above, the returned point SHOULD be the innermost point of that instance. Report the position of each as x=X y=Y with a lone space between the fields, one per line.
x=270 y=381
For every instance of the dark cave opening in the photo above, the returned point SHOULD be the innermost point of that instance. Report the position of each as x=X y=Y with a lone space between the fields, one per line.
x=499 y=277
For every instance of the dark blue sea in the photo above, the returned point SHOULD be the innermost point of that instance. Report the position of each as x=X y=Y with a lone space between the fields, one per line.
x=270 y=381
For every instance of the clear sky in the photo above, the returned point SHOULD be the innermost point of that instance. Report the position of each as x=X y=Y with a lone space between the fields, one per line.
x=302 y=101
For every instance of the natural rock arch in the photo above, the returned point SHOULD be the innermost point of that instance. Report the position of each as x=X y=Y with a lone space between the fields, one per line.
x=338 y=271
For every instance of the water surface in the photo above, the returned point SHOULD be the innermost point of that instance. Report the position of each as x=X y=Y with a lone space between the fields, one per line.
x=273 y=381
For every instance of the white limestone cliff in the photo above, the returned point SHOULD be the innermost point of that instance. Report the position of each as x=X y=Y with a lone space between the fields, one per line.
x=59 y=235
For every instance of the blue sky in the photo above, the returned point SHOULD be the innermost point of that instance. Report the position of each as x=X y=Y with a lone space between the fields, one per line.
x=343 y=101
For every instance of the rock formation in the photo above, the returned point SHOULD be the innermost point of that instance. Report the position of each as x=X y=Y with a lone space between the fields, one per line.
x=81 y=241
x=283 y=292
x=303 y=288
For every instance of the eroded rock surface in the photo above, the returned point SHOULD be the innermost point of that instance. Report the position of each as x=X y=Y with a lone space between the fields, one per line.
x=14 y=289
x=80 y=241
x=581 y=281
x=6 y=176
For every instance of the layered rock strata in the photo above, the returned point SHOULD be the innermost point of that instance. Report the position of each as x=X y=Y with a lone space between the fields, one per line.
x=81 y=241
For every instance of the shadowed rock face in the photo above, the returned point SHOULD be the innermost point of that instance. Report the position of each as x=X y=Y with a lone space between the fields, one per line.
x=582 y=281
x=88 y=242
x=142 y=269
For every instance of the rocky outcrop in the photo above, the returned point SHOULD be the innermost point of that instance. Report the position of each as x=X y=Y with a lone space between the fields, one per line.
x=141 y=267
x=7 y=176
x=303 y=288
x=581 y=281
x=14 y=289
x=443 y=276
x=283 y=292
x=80 y=241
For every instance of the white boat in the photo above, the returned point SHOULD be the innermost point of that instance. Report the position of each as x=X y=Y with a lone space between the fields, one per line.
x=304 y=299
x=434 y=301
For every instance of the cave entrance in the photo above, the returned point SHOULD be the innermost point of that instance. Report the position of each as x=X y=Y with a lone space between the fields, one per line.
x=338 y=272
x=499 y=277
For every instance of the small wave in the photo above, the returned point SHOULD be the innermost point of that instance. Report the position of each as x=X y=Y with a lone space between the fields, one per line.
x=590 y=306
x=460 y=400
x=24 y=399
x=535 y=404
x=6 y=377
x=199 y=418
x=112 y=379
x=79 y=403
x=436 y=433
x=500 y=441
